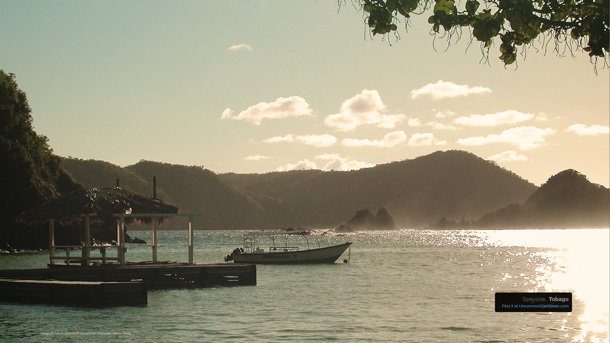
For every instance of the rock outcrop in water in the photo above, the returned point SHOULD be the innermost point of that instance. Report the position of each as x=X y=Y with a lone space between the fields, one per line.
x=365 y=220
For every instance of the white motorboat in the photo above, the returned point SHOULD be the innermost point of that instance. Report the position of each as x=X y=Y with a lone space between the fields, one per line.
x=278 y=254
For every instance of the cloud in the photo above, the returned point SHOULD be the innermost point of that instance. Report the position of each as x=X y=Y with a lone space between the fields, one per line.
x=301 y=165
x=524 y=137
x=365 y=108
x=593 y=130
x=336 y=162
x=242 y=46
x=293 y=106
x=280 y=139
x=444 y=114
x=508 y=156
x=389 y=140
x=423 y=139
x=320 y=141
x=440 y=126
x=443 y=89
x=256 y=158
x=415 y=122
x=494 y=119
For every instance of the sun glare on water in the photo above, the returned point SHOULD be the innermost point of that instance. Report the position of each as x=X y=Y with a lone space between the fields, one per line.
x=577 y=263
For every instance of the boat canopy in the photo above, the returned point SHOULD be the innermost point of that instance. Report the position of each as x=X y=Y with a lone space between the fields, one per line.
x=300 y=232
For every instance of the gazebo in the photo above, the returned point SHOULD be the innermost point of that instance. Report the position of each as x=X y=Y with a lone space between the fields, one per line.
x=105 y=205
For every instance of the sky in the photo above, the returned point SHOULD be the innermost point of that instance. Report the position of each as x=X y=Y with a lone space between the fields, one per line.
x=262 y=86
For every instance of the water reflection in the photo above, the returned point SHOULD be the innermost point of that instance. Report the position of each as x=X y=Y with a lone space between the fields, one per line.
x=577 y=262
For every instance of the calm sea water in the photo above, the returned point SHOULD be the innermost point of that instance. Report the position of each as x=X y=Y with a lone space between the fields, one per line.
x=400 y=286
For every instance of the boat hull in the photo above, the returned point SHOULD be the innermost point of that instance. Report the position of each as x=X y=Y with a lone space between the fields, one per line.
x=320 y=255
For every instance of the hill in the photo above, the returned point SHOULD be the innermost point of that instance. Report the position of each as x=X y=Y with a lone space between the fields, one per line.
x=567 y=199
x=417 y=192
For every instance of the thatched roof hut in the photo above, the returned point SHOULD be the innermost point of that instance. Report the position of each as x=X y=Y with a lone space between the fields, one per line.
x=101 y=203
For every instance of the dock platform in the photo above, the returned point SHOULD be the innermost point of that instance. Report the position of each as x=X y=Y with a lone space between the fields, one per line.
x=79 y=293
x=103 y=279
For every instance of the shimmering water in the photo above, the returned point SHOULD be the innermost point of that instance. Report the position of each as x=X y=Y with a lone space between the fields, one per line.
x=402 y=286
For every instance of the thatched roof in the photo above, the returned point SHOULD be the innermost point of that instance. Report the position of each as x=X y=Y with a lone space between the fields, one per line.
x=102 y=202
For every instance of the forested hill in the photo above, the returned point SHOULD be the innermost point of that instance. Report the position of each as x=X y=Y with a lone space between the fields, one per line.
x=416 y=192
x=567 y=199
x=193 y=189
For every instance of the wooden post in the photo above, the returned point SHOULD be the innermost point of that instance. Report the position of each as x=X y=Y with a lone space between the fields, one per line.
x=87 y=248
x=52 y=241
x=122 y=244
x=190 y=239
x=154 y=242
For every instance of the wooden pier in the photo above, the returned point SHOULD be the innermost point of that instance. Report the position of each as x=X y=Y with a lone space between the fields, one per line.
x=95 y=285
x=80 y=293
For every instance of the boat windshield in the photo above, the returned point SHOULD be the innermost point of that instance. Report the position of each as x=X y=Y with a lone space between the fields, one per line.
x=278 y=240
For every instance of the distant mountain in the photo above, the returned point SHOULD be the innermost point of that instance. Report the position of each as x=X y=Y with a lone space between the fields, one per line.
x=93 y=173
x=198 y=190
x=418 y=192
x=567 y=199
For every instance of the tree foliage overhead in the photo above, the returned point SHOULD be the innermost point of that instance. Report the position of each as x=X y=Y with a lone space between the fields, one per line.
x=570 y=24
x=29 y=172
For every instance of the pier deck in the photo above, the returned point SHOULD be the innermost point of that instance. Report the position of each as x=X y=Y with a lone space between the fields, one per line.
x=149 y=275
x=80 y=293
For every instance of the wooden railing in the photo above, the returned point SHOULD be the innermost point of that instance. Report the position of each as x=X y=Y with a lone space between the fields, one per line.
x=70 y=259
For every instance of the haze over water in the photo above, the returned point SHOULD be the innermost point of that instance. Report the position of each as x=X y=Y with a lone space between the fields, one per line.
x=400 y=286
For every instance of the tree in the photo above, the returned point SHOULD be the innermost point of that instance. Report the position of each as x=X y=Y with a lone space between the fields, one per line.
x=29 y=172
x=571 y=24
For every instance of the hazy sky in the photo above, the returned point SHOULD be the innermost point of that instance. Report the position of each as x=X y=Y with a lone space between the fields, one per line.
x=258 y=86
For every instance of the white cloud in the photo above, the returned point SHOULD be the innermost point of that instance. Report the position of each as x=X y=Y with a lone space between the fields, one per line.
x=414 y=122
x=508 y=156
x=389 y=140
x=242 y=46
x=256 y=158
x=320 y=141
x=423 y=139
x=336 y=162
x=279 y=139
x=365 y=108
x=440 y=126
x=593 y=130
x=494 y=119
x=293 y=106
x=444 y=114
x=301 y=165
x=524 y=137
x=443 y=89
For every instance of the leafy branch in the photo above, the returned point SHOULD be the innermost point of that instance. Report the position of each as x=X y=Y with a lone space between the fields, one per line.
x=515 y=23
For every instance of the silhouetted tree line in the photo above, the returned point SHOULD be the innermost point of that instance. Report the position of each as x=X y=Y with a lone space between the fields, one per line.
x=30 y=173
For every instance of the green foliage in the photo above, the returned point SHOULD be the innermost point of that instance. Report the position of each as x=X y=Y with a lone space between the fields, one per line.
x=29 y=172
x=516 y=23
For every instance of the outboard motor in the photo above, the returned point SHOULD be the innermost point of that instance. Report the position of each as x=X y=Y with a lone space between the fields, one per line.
x=229 y=258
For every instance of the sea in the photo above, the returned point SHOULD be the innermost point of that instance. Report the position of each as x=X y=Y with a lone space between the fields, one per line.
x=391 y=286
